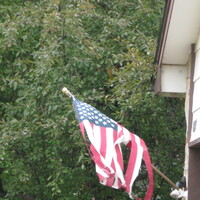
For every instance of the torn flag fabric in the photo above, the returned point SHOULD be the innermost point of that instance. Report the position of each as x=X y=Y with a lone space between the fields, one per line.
x=105 y=138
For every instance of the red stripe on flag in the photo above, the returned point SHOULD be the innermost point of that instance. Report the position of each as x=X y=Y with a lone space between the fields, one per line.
x=148 y=164
x=103 y=145
x=131 y=164
x=118 y=150
x=81 y=125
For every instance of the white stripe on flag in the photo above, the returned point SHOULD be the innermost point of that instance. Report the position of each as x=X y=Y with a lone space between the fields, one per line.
x=111 y=154
x=109 y=146
x=119 y=171
x=138 y=160
x=90 y=134
x=125 y=138
x=97 y=136
x=100 y=171
x=116 y=183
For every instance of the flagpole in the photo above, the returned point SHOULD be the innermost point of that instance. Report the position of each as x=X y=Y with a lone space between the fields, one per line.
x=165 y=177
x=68 y=93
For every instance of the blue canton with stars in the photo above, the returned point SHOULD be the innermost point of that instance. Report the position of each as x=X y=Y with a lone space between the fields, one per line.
x=85 y=111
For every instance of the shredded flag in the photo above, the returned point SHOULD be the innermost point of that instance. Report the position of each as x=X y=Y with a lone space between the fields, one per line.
x=105 y=136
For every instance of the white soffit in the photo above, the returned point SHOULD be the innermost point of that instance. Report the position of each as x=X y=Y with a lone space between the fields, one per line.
x=183 y=31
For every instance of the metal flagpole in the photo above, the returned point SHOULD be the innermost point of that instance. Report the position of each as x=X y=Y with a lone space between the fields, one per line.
x=68 y=93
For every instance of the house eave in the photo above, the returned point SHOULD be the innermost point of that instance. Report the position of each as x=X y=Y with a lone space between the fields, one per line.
x=163 y=31
x=180 y=29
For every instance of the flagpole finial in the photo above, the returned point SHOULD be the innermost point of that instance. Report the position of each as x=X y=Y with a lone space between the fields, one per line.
x=67 y=92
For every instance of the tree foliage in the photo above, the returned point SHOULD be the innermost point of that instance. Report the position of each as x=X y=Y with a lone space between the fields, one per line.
x=103 y=52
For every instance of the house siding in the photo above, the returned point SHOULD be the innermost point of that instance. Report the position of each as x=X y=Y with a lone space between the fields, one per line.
x=195 y=110
x=187 y=102
x=194 y=126
x=195 y=132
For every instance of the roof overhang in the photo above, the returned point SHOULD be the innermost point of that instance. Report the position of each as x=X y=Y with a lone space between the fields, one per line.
x=180 y=29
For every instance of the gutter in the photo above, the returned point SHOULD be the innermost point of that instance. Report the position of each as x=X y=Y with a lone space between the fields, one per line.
x=164 y=31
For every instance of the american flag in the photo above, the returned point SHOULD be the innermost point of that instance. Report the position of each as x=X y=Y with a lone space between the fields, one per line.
x=105 y=137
